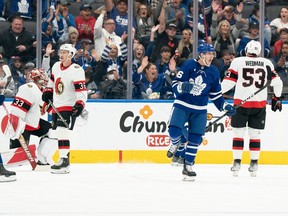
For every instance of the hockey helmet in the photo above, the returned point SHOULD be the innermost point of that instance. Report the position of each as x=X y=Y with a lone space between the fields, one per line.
x=68 y=47
x=39 y=75
x=204 y=48
x=253 y=47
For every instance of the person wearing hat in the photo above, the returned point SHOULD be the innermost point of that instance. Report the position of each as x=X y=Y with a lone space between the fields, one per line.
x=114 y=86
x=67 y=18
x=253 y=35
x=85 y=22
x=84 y=53
x=166 y=36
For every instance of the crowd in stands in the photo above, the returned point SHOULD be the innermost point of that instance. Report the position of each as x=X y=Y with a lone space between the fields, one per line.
x=162 y=40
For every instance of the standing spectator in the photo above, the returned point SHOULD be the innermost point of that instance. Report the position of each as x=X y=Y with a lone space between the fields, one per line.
x=66 y=88
x=248 y=78
x=105 y=29
x=166 y=36
x=84 y=54
x=185 y=46
x=85 y=23
x=278 y=23
x=145 y=22
x=16 y=41
x=67 y=18
x=114 y=86
x=176 y=14
x=195 y=83
x=253 y=35
x=119 y=15
x=73 y=37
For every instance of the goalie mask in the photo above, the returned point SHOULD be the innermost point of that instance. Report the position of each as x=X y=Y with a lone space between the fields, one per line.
x=38 y=75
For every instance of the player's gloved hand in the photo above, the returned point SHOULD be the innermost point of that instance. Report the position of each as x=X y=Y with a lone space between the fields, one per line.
x=277 y=103
x=77 y=109
x=2 y=99
x=185 y=87
x=47 y=95
x=229 y=109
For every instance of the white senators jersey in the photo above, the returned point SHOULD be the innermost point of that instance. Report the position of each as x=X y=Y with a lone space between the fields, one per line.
x=27 y=103
x=68 y=85
x=249 y=74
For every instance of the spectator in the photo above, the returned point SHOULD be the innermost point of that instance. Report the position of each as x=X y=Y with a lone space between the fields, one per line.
x=16 y=41
x=278 y=23
x=145 y=21
x=278 y=43
x=73 y=37
x=149 y=84
x=67 y=18
x=29 y=66
x=224 y=62
x=175 y=14
x=166 y=36
x=17 y=71
x=2 y=4
x=85 y=23
x=203 y=27
x=253 y=35
x=92 y=88
x=163 y=64
x=100 y=34
x=113 y=87
x=84 y=54
x=119 y=15
x=185 y=46
x=255 y=17
x=48 y=35
x=281 y=65
x=21 y=7
x=110 y=56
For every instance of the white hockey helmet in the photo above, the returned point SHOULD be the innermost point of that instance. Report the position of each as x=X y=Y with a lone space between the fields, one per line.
x=68 y=47
x=253 y=47
x=38 y=75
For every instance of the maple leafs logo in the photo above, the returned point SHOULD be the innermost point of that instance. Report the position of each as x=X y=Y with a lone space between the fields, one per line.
x=198 y=86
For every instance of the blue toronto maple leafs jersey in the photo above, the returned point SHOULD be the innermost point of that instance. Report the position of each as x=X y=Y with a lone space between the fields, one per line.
x=207 y=86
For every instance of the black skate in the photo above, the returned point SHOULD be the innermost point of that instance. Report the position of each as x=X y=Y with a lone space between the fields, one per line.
x=40 y=163
x=253 y=168
x=172 y=150
x=236 y=167
x=188 y=173
x=62 y=167
x=5 y=175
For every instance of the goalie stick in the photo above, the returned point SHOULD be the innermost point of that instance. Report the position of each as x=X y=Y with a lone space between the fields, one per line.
x=60 y=116
x=269 y=78
x=23 y=143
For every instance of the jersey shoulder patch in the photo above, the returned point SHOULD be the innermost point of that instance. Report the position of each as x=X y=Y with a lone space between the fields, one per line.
x=77 y=66
x=30 y=86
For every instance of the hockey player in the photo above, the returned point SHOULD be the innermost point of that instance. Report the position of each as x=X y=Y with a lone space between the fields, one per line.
x=66 y=88
x=5 y=175
x=194 y=84
x=248 y=74
x=26 y=114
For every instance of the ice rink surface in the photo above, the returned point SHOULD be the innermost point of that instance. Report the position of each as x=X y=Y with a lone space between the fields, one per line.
x=146 y=190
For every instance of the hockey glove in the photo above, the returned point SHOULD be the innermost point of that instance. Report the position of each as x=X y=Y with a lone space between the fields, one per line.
x=229 y=109
x=77 y=109
x=277 y=103
x=47 y=95
x=2 y=98
x=185 y=87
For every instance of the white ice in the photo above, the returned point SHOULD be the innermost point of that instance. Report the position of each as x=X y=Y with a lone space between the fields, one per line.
x=146 y=190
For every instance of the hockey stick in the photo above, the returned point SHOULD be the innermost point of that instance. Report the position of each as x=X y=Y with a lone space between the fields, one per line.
x=61 y=117
x=23 y=143
x=249 y=97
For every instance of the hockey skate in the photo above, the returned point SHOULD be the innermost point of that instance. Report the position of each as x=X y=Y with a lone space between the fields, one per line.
x=188 y=173
x=253 y=168
x=236 y=167
x=62 y=167
x=5 y=175
x=177 y=161
x=172 y=150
